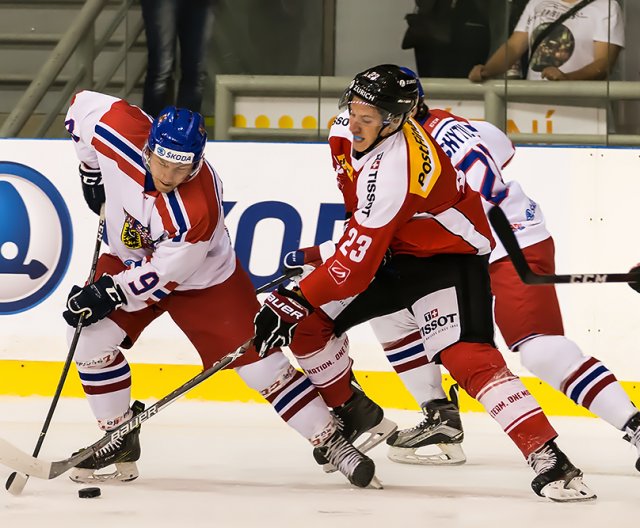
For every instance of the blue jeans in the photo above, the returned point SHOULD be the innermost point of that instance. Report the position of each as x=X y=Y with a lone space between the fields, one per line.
x=166 y=23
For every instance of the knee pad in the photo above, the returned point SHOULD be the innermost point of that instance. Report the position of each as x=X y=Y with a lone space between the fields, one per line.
x=328 y=364
x=97 y=345
x=551 y=358
x=268 y=375
x=474 y=365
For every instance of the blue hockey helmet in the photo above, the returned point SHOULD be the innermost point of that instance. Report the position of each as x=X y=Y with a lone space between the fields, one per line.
x=413 y=74
x=178 y=136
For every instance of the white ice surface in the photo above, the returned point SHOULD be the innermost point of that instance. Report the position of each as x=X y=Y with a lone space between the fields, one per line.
x=236 y=465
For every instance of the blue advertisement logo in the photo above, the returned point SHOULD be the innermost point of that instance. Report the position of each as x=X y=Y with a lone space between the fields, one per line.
x=36 y=237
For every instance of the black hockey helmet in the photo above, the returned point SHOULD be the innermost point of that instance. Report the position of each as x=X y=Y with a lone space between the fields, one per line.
x=386 y=87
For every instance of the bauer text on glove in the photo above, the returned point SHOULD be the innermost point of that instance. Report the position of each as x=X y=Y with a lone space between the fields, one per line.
x=276 y=321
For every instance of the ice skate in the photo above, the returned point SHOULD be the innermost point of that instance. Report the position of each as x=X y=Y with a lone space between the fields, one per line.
x=358 y=417
x=357 y=467
x=122 y=452
x=557 y=478
x=436 y=440
x=632 y=430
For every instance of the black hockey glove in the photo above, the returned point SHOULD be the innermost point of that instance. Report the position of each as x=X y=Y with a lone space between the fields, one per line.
x=95 y=300
x=277 y=319
x=635 y=285
x=92 y=187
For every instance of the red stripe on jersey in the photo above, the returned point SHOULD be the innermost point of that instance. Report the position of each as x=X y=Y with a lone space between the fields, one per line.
x=201 y=202
x=130 y=122
x=123 y=164
x=165 y=216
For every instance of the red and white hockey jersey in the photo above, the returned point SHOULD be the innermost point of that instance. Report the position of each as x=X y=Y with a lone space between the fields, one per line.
x=172 y=241
x=404 y=195
x=481 y=150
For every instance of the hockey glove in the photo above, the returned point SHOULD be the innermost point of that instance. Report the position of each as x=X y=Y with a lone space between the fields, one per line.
x=95 y=301
x=635 y=285
x=276 y=321
x=92 y=187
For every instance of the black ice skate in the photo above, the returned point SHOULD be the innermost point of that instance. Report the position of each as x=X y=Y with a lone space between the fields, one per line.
x=632 y=430
x=122 y=452
x=441 y=429
x=360 y=416
x=357 y=467
x=558 y=479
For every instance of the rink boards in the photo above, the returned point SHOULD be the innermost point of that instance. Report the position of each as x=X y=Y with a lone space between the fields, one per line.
x=279 y=197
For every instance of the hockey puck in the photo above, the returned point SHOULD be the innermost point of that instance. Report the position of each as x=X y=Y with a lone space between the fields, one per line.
x=89 y=493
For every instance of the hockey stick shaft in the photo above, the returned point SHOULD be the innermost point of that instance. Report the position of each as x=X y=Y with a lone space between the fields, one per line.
x=16 y=487
x=286 y=275
x=502 y=227
x=17 y=459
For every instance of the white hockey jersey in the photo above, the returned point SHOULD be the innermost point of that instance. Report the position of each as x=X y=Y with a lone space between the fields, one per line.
x=172 y=241
x=481 y=150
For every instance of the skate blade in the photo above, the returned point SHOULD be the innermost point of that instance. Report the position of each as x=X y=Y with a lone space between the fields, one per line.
x=573 y=491
x=449 y=455
x=124 y=472
x=371 y=438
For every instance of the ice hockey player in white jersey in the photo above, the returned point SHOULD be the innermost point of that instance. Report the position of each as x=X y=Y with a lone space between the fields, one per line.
x=170 y=252
x=528 y=317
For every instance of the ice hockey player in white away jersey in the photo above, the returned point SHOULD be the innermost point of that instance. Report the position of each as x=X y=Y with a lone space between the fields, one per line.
x=170 y=252
x=528 y=317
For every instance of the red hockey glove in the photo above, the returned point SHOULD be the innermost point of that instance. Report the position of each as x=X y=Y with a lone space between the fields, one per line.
x=276 y=321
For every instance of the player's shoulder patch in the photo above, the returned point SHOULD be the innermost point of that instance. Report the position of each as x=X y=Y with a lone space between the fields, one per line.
x=424 y=163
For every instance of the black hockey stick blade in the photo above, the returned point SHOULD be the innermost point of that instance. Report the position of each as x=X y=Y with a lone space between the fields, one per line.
x=18 y=460
x=290 y=273
x=502 y=227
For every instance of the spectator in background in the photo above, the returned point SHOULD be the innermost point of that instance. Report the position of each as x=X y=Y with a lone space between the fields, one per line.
x=583 y=47
x=166 y=23
x=448 y=36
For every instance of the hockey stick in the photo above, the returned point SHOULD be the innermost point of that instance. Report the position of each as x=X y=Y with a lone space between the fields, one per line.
x=503 y=229
x=17 y=459
x=286 y=275
x=16 y=482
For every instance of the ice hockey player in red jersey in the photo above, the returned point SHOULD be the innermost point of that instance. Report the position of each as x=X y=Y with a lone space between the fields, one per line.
x=170 y=252
x=528 y=317
x=403 y=194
